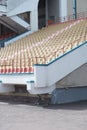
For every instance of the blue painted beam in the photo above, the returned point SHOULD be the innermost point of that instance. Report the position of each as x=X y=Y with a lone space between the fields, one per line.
x=68 y=95
x=75 y=9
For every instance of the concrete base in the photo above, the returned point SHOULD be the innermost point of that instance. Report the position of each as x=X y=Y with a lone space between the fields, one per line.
x=6 y=88
x=32 y=89
x=67 y=95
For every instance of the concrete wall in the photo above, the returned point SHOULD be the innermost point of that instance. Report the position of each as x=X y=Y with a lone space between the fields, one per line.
x=21 y=6
x=67 y=64
x=49 y=75
x=16 y=78
x=81 y=6
x=18 y=7
x=13 y=4
x=53 y=8
x=74 y=79
x=70 y=7
x=3 y=10
x=6 y=88
x=62 y=95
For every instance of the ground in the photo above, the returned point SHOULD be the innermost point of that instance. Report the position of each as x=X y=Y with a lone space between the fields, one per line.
x=18 y=116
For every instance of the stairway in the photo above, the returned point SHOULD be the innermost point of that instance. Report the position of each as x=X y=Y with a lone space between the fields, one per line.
x=16 y=27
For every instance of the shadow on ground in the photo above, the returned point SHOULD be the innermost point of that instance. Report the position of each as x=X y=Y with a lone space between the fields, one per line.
x=81 y=105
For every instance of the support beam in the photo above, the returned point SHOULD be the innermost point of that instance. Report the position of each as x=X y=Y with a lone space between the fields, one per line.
x=34 y=20
x=63 y=95
x=63 y=10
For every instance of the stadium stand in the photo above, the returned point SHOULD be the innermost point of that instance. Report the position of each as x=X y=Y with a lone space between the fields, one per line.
x=42 y=47
x=6 y=37
x=48 y=55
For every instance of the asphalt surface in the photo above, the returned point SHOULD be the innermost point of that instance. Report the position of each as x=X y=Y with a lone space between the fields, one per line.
x=28 y=117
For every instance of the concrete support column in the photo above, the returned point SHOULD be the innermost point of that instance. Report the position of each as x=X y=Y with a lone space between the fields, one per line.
x=39 y=90
x=34 y=20
x=63 y=10
x=30 y=87
x=6 y=88
x=46 y=11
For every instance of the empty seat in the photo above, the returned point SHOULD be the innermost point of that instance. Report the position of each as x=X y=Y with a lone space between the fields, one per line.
x=42 y=46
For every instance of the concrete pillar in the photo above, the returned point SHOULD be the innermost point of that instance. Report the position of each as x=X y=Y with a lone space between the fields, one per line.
x=30 y=87
x=46 y=11
x=63 y=10
x=34 y=20
x=6 y=88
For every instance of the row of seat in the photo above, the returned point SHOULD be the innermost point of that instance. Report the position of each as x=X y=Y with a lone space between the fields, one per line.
x=42 y=46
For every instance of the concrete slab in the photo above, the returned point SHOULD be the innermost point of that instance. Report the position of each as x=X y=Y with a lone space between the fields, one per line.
x=28 y=117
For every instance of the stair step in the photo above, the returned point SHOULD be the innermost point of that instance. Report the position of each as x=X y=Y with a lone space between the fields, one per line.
x=25 y=98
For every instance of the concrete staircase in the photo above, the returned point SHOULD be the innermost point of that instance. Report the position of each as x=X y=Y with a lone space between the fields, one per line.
x=45 y=77
x=13 y=22
x=8 y=22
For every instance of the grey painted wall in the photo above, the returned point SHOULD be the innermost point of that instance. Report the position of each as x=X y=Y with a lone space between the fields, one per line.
x=70 y=6
x=81 y=6
x=53 y=8
x=69 y=95
x=12 y=4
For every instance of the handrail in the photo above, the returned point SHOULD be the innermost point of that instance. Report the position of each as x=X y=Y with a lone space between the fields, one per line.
x=68 y=18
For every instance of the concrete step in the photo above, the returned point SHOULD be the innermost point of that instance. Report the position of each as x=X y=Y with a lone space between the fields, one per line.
x=25 y=98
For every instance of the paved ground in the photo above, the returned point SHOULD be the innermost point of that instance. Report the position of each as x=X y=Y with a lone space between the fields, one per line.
x=28 y=117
